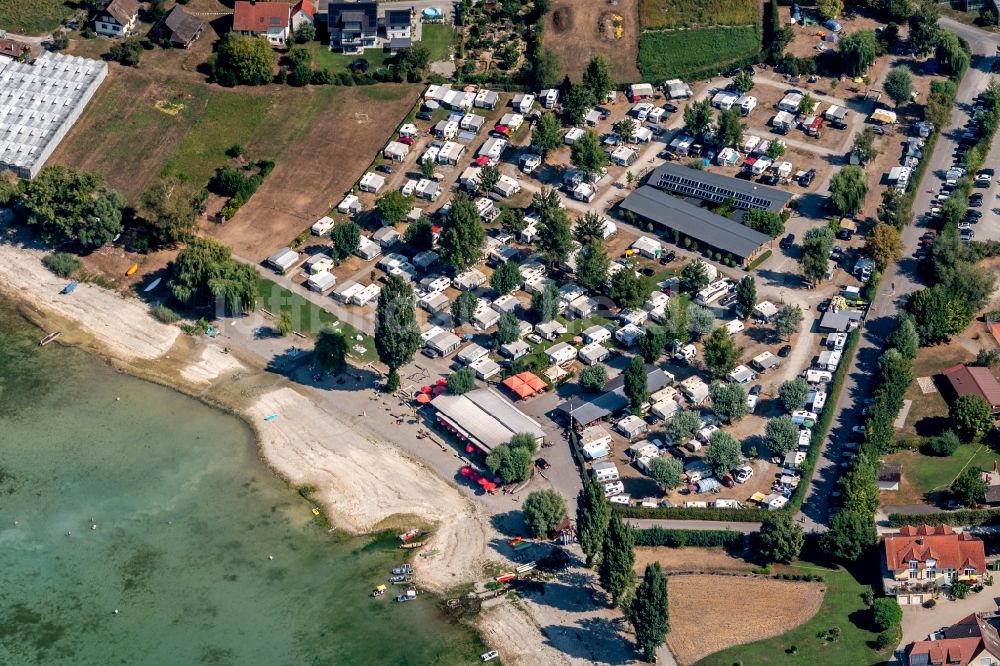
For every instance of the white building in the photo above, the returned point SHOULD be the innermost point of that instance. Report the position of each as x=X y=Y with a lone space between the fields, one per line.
x=39 y=103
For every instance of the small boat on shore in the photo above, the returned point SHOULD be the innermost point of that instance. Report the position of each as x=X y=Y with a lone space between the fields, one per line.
x=68 y=289
x=413 y=544
x=379 y=591
x=131 y=270
x=399 y=580
x=399 y=571
x=489 y=656
x=408 y=535
x=49 y=338
x=152 y=285
x=409 y=595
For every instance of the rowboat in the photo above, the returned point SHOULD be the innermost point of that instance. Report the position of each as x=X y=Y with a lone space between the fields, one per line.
x=409 y=534
x=414 y=544
x=49 y=338
x=379 y=591
x=409 y=595
x=131 y=270
x=405 y=569
x=68 y=289
x=400 y=580
x=270 y=417
x=504 y=577
x=152 y=285
x=488 y=656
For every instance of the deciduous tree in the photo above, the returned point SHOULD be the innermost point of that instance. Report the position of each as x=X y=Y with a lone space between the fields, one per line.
x=970 y=487
x=858 y=51
x=723 y=453
x=780 y=538
x=764 y=221
x=587 y=154
x=330 y=351
x=597 y=78
x=971 y=416
x=667 y=472
x=782 y=435
x=462 y=381
x=506 y=278
x=730 y=128
x=700 y=320
x=592 y=265
x=848 y=189
x=205 y=273
x=463 y=308
x=346 y=238
x=729 y=401
x=593 y=378
x=420 y=235
x=636 y=384
x=721 y=353
x=242 y=60
x=627 y=289
x=793 y=394
x=884 y=245
x=397 y=336
x=651 y=344
x=743 y=81
x=898 y=85
x=507 y=329
x=698 y=117
x=850 y=535
x=746 y=296
x=864 y=146
x=683 y=426
x=394 y=206
x=462 y=236
x=547 y=134
x=543 y=511
x=816 y=246
x=545 y=304
x=787 y=320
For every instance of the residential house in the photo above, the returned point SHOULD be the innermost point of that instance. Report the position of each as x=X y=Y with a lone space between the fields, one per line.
x=397 y=25
x=303 y=13
x=182 y=27
x=353 y=26
x=972 y=641
x=268 y=19
x=969 y=380
x=920 y=561
x=117 y=18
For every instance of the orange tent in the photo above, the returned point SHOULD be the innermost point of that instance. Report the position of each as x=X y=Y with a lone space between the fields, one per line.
x=525 y=385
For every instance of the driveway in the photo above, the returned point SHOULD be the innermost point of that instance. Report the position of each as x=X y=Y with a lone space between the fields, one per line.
x=919 y=622
x=899 y=281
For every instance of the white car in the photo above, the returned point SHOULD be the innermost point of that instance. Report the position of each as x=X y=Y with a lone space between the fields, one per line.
x=751 y=403
x=968 y=234
x=743 y=474
x=860 y=429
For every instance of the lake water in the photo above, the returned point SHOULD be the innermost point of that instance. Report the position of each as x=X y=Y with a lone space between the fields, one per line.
x=186 y=518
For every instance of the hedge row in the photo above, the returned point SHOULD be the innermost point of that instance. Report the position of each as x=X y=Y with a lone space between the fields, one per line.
x=822 y=427
x=659 y=536
x=682 y=513
x=962 y=517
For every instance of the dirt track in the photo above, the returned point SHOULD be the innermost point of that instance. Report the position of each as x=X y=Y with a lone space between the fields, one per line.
x=572 y=31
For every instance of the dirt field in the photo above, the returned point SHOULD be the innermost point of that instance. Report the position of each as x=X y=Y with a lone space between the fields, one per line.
x=322 y=162
x=572 y=30
x=686 y=559
x=738 y=610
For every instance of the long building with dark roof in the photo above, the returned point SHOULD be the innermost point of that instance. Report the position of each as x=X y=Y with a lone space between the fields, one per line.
x=708 y=186
x=669 y=212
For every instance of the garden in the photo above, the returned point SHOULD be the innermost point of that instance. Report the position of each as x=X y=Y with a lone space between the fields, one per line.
x=698 y=52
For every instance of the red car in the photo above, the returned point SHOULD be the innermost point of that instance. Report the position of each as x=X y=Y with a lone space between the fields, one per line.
x=727 y=481
x=408 y=140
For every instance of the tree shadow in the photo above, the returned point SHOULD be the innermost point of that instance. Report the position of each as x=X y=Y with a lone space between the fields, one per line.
x=595 y=639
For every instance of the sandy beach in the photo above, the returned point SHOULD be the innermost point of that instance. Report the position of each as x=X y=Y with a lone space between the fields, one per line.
x=122 y=326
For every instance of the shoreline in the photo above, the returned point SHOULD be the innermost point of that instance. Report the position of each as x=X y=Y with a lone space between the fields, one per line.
x=399 y=490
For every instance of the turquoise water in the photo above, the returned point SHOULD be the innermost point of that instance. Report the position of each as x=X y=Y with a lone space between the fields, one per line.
x=186 y=518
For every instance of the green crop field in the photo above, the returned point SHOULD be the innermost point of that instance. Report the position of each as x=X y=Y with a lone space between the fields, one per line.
x=683 y=53
x=666 y=14
x=33 y=17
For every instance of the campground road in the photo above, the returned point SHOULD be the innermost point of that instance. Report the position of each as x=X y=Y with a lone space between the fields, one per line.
x=897 y=283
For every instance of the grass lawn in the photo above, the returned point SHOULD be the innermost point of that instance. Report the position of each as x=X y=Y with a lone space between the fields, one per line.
x=665 y=55
x=843 y=609
x=323 y=57
x=929 y=473
x=33 y=17
x=437 y=37
x=309 y=318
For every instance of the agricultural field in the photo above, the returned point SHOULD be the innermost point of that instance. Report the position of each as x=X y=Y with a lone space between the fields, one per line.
x=737 y=609
x=178 y=125
x=689 y=558
x=682 y=53
x=839 y=633
x=671 y=14
x=33 y=17
x=577 y=30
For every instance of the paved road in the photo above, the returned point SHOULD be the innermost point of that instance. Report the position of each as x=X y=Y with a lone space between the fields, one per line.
x=646 y=523
x=900 y=280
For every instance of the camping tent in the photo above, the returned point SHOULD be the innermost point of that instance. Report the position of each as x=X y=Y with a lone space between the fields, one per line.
x=525 y=384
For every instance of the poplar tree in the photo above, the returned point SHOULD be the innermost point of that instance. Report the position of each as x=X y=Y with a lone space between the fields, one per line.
x=649 y=612
x=617 y=560
x=397 y=336
x=593 y=512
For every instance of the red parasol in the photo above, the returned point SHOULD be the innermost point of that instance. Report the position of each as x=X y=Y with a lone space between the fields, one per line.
x=469 y=448
x=423 y=398
x=441 y=381
x=425 y=389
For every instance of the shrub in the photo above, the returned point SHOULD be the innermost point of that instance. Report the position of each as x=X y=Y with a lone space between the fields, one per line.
x=944 y=444
x=62 y=264
x=673 y=538
x=165 y=314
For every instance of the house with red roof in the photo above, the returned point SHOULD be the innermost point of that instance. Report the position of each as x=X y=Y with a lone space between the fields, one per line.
x=972 y=641
x=303 y=13
x=974 y=380
x=268 y=19
x=920 y=561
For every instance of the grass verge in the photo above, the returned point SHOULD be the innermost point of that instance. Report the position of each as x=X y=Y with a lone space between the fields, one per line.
x=33 y=17
x=309 y=319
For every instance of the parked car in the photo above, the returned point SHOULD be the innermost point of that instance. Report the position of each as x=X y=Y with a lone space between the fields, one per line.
x=744 y=473
x=787 y=242
x=845 y=234
x=542 y=463
x=727 y=481
x=860 y=429
x=667 y=257
x=728 y=300
x=384 y=168
x=974 y=214
x=785 y=351
x=755 y=389
x=824 y=305
x=425 y=115
x=807 y=178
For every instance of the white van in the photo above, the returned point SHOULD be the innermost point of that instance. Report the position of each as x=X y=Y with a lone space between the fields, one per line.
x=624 y=499
x=613 y=488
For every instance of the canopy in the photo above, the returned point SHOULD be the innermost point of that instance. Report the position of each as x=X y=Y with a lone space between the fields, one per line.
x=525 y=384
x=482 y=160
x=423 y=398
